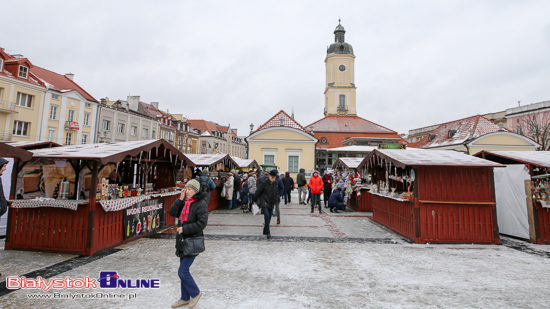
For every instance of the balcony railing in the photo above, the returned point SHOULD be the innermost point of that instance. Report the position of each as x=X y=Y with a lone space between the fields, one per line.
x=342 y=108
x=5 y=136
x=7 y=106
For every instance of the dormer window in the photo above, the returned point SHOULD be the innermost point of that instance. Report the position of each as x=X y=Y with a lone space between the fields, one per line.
x=431 y=137
x=23 y=72
x=452 y=133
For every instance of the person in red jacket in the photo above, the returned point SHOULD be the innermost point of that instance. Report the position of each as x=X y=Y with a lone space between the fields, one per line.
x=316 y=186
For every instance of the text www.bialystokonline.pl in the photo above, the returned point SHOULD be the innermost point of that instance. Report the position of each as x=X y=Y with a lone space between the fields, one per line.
x=98 y=295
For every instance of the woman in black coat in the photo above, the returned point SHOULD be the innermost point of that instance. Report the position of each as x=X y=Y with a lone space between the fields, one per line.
x=192 y=213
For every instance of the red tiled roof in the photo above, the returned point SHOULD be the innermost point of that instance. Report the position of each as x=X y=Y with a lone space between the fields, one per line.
x=347 y=124
x=335 y=139
x=60 y=82
x=287 y=122
x=209 y=126
x=478 y=124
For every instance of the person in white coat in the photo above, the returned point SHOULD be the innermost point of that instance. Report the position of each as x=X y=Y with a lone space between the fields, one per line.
x=229 y=190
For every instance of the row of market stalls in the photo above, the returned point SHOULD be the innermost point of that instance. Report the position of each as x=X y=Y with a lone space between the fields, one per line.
x=449 y=197
x=86 y=198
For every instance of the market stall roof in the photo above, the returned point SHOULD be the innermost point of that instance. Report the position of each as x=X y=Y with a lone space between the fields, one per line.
x=209 y=159
x=111 y=152
x=246 y=163
x=9 y=151
x=348 y=162
x=425 y=157
x=537 y=158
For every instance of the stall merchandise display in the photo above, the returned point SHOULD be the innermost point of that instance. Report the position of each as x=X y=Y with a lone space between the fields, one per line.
x=541 y=191
x=48 y=202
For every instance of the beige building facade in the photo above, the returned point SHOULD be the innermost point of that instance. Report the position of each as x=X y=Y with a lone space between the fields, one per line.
x=283 y=142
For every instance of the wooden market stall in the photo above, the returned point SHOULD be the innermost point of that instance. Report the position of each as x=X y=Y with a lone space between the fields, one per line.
x=107 y=214
x=358 y=198
x=522 y=193
x=434 y=196
x=246 y=165
x=218 y=166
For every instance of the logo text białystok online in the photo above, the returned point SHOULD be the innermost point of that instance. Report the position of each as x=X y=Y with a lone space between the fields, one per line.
x=106 y=280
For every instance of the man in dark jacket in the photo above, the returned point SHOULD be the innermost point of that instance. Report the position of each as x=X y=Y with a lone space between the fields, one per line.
x=302 y=190
x=266 y=197
x=336 y=201
x=3 y=201
x=280 y=193
x=289 y=186
x=236 y=188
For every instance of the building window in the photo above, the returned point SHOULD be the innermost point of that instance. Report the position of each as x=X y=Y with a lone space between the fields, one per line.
x=71 y=115
x=24 y=99
x=162 y=134
x=84 y=138
x=1 y=65
x=68 y=138
x=342 y=103
x=106 y=125
x=153 y=134
x=324 y=140
x=120 y=128
x=21 y=128
x=23 y=72
x=203 y=144
x=293 y=164
x=55 y=96
x=86 y=119
x=145 y=133
x=53 y=112
x=133 y=130
x=269 y=159
x=88 y=105
x=51 y=134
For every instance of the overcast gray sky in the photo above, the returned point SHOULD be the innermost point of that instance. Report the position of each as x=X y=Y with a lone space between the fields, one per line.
x=418 y=62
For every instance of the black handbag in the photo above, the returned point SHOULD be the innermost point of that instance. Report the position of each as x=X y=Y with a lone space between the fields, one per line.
x=189 y=246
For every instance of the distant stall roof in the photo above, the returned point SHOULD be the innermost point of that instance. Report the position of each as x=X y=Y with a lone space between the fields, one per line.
x=210 y=159
x=246 y=163
x=354 y=148
x=112 y=152
x=29 y=145
x=9 y=151
x=537 y=158
x=424 y=157
x=348 y=162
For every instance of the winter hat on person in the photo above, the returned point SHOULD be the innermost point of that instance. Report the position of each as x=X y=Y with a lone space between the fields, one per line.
x=3 y=162
x=287 y=173
x=273 y=173
x=315 y=172
x=205 y=171
x=193 y=184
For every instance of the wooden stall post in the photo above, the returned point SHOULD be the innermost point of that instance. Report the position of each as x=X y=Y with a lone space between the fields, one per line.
x=91 y=211
x=496 y=239
x=531 y=213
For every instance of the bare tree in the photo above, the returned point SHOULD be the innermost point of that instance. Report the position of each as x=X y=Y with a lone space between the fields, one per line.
x=537 y=127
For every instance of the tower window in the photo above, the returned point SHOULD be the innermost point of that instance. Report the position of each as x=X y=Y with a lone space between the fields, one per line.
x=342 y=103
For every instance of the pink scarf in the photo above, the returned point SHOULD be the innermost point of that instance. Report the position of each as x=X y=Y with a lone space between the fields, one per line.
x=185 y=211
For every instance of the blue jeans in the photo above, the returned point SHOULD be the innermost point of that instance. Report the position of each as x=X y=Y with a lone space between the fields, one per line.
x=250 y=198
x=208 y=199
x=268 y=213
x=287 y=197
x=338 y=206
x=189 y=288
x=235 y=200
x=315 y=200
x=230 y=204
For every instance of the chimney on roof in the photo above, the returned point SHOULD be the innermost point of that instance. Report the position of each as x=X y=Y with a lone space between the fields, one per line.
x=103 y=101
x=70 y=76
x=155 y=104
x=133 y=102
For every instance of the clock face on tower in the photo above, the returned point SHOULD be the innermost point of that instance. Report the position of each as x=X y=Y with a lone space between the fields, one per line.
x=342 y=68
